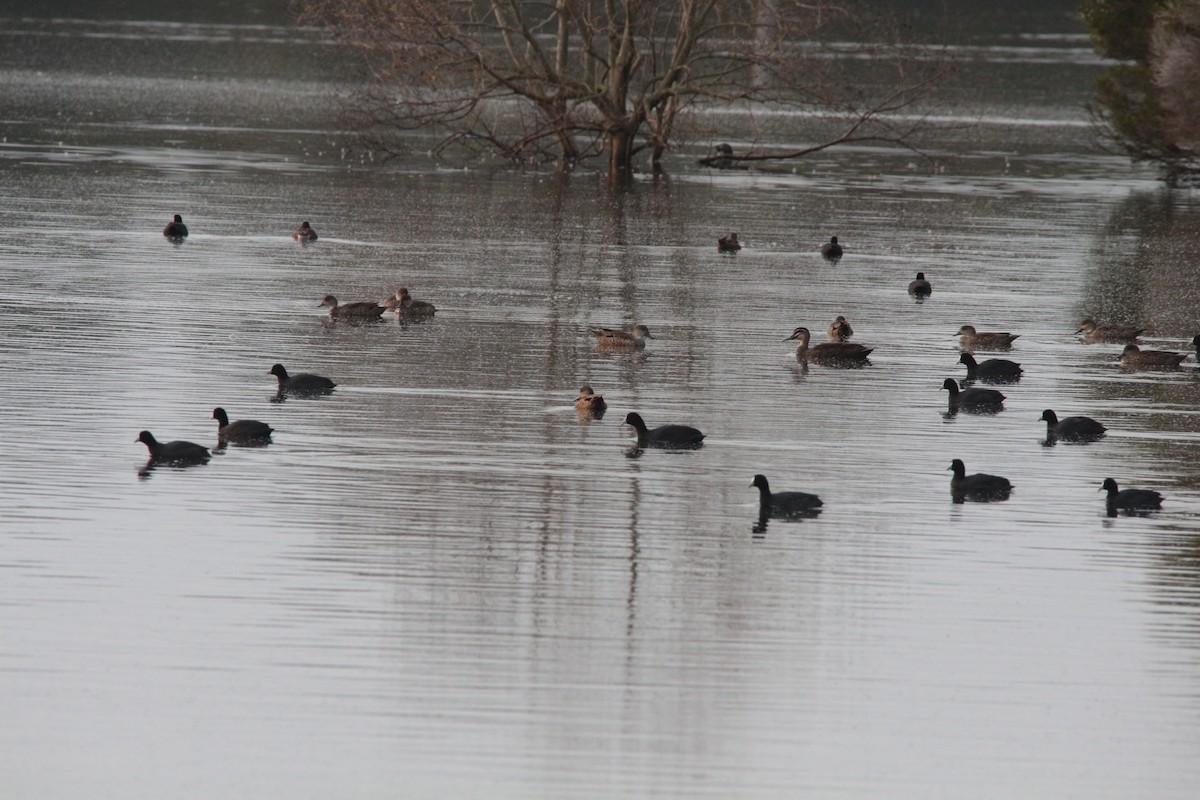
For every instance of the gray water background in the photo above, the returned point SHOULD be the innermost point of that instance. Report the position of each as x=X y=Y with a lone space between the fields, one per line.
x=439 y=582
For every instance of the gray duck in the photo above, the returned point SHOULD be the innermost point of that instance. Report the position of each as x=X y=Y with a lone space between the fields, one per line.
x=971 y=339
x=616 y=338
x=1108 y=332
x=361 y=311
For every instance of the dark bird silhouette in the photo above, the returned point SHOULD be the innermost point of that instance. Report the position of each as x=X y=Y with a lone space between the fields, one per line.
x=301 y=383
x=668 y=437
x=920 y=287
x=362 y=311
x=1129 y=500
x=993 y=370
x=831 y=250
x=973 y=399
x=243 y=431
x=179 y=453
x=1072 y=429
x=304 y=233
x=176 y=231
x=978 y=488
x=784 y=505
x=729 y=244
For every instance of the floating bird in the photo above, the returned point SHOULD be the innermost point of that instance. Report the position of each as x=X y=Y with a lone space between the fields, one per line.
x=179 y=452
x=728 y=244
x=1072 y=429
x=361 y=311
x=978 y=488
x=992 y=370
x=970 y=339
x=304 y=233
x=984 y=400
x=668 y=437
x=1133 y=357
x=243 y=431
x=176 y=231
x=407 y=308
x=1106 y=332
x=588 y=402
x=1129 y=499
x=831 y=250
x=615 y=338
x=920 y=287
x=840 y=330
x=829 y=353
x=302 y=383
x=784 y=504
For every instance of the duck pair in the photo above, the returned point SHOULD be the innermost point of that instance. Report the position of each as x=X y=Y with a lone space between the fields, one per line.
x=837 y=353
x=176 y=231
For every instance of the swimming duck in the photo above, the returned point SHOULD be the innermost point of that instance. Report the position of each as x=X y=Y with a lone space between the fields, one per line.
x=784 y=504
x=831 y=249
x=176 y=231
x=920 y=287
x=978 y=488
x=728 y=244
x=992 y=370
x=351 y=311
x=301 y=383
x=1133 y=357
x=973 y=399
x=178 y=452
x=668 y=437
x=407 y=308
x=829 y=353
x=1072 y=429
x=1129 y=499
x=615 y=338
x=243 y=431
x=970 y=339
x=588 y=402
x=304 y=233
x=1106 y=332
x=840 y=330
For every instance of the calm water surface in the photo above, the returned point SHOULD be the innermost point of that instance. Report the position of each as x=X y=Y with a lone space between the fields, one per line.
x=439 y=582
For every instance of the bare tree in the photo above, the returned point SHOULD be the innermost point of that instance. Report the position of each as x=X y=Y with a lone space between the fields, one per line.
x=577 y=79
x=1149 y=103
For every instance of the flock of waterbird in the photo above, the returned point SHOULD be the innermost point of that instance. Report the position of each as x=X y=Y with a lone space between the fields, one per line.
x=837 y=352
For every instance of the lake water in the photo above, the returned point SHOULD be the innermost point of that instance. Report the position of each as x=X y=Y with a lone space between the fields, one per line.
x=439 y=581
